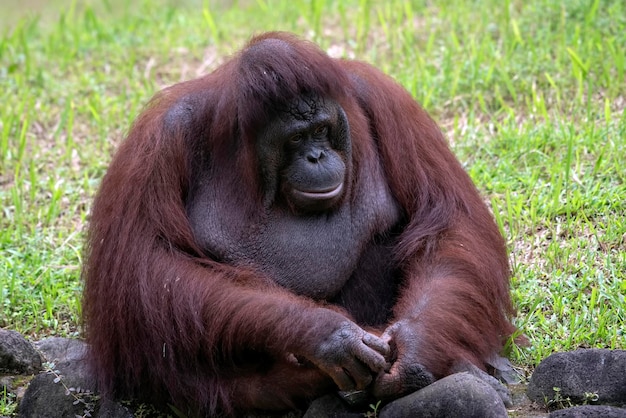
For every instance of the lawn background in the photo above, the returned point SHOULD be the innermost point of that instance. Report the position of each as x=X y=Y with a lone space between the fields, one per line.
x=531 y=95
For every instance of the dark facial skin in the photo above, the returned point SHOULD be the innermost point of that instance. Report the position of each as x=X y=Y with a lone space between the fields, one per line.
x=306 y=145
x=314 y=176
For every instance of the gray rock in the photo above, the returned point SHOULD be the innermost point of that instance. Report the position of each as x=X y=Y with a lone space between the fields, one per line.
x=111 y=409
x=329 y=406
x=500 y=389
x=458 y=395
x=590 y=411
x=580 y=375
x=504 y=371
x=17 y=355
x=68 y=389
x=6 y=384
x=58 y=349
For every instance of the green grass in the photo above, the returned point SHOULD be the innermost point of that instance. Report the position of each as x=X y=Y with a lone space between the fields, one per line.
x=531 y=94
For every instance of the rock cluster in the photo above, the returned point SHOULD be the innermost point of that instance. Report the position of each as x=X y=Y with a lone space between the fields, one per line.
x=582 y=383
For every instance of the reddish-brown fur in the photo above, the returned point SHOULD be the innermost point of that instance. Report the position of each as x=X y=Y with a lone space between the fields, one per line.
x=166 y=321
